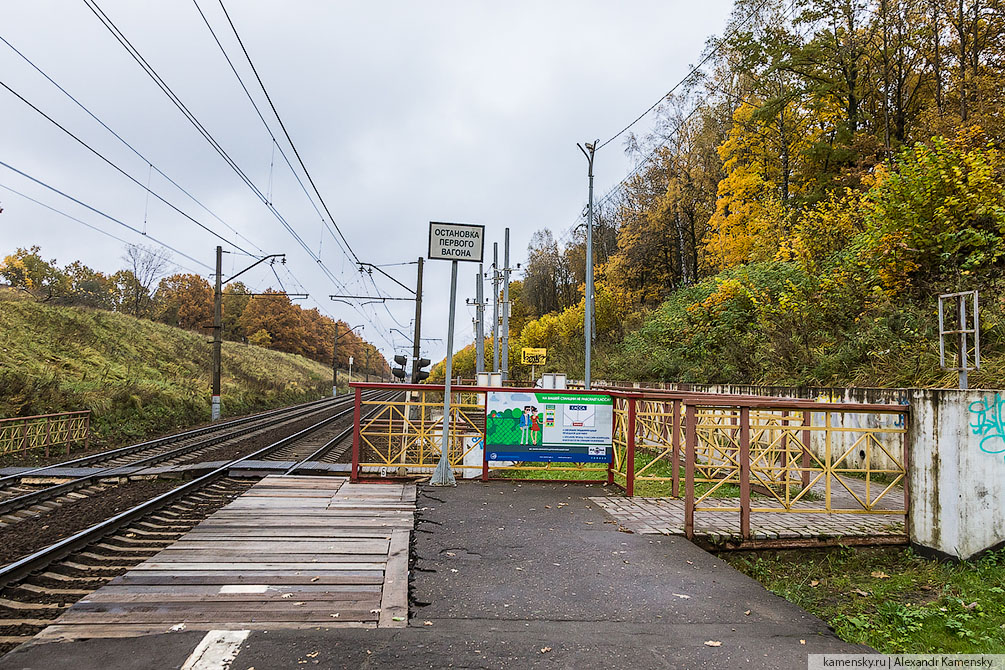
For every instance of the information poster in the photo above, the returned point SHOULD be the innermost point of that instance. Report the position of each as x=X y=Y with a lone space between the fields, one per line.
x=565 y=427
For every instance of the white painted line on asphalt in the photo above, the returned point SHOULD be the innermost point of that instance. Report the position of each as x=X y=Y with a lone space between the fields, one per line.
x=217 y=650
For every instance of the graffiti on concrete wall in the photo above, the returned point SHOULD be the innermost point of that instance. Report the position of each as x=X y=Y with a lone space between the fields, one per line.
x=986 y=420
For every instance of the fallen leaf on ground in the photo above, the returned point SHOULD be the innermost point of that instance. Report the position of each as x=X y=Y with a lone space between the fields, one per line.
x=802 y=641
x=879 y=574
x=545 y=650
x=313 y=654
x=335 y=615
x=520 y=569
x=314 y=579
x=713 y=643
x=397 y=618
x=814 y=583
x=376 y=611
x=286 y=595
x=747 y=612
x=427 y=623
x=861 y=592
x=682 y=596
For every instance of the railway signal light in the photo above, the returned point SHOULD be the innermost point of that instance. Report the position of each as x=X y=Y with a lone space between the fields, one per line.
x=400 y=372
x=418 y=374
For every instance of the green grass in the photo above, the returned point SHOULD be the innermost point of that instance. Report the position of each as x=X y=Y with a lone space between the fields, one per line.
x=137 y=377
x=910 y=604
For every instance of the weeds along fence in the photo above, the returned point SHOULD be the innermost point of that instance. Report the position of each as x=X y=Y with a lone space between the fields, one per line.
x=721 y=453
x=39 y=435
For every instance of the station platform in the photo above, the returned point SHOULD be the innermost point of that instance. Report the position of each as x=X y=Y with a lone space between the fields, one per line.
x=502 y=575
x=291 y=552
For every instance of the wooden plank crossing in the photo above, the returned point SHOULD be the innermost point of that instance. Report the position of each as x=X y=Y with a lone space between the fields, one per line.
x=292 y=552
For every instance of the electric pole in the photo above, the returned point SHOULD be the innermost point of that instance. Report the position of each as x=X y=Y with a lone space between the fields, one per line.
x=335 y=358
x=218 y=323
x=418 y=323
x=495 y=307
x=479 y=322
x=217 y=335
x=335 y=362
x=367 y=365
x=505 y=308
x=588 y=312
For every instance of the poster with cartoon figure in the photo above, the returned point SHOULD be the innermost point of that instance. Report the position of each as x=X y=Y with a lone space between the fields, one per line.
x=542 y=427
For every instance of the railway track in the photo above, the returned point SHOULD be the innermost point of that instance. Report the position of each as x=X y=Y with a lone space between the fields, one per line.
x=36 y=589
x=20 y=500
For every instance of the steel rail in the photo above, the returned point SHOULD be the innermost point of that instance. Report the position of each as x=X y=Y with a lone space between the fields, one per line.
x=322 y=450
x=157 y=442
x=44 y=557
x=28 y=499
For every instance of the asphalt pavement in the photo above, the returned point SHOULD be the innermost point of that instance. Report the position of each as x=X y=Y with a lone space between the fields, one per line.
x=530 y=575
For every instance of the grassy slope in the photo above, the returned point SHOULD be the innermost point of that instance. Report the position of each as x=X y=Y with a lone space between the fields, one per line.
x=138 y=377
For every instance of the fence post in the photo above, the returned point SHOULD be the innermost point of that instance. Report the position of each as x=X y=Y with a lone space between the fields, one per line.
x=87 y=432
x=485 y=446
x=630 y=437
x=675 y=452
x=805 y=463
x=907 y=475
x=690 y=438
x=745 y=473
x=357 y=406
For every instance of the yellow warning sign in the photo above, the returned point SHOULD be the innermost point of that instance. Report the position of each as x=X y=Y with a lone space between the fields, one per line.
x=532 y=356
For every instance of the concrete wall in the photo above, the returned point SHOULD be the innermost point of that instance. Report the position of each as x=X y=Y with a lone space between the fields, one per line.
x=957 y=481
x=956 y=468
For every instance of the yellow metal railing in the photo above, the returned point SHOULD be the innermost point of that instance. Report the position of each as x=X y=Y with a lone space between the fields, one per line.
x=34 y=434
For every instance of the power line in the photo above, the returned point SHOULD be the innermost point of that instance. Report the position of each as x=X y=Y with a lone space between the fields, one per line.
x=690 y=73
x=107 y=216
x=639 y=165
x=127 y=144
x=285 y=132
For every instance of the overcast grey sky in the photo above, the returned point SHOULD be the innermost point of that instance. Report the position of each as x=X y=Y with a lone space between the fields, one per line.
x=404 y=112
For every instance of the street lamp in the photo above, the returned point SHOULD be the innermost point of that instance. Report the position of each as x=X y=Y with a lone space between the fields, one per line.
x=335 y=359
x=591 y=148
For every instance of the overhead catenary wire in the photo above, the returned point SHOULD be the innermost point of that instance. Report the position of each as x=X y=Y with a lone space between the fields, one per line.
x=176 y=100
x=101 y=213
x=285 y=132
x=268 y=129
x=67 y=215
x=126 y=143
x=121 y=170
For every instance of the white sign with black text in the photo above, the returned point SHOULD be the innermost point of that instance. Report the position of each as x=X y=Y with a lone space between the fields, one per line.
x=456 y=241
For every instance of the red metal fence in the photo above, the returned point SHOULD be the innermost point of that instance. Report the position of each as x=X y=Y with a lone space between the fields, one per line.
x=735 y=454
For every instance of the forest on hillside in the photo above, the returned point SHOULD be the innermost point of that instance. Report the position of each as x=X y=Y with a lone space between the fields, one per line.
x=268 y=319
x=797 y=207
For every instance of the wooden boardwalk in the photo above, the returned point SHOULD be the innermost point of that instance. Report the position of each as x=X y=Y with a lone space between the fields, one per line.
x=292 y=552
